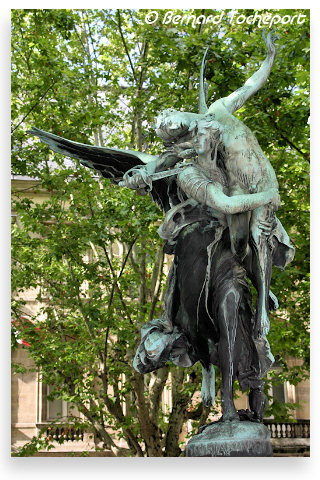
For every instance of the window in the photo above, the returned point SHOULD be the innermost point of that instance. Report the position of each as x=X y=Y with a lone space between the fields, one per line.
x=50 y=410
x=57 y=409
x=279 y=393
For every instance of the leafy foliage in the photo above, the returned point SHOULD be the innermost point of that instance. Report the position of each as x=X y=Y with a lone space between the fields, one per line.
x=101 y=76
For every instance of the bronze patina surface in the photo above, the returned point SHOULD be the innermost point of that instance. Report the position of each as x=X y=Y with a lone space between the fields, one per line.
x=219 y=193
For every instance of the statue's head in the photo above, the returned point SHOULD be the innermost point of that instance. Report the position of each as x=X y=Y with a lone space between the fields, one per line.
x=171 y=124
x=207 y=133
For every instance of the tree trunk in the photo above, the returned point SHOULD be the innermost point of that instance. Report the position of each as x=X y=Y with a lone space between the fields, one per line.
x=178 y=414
x=149 y=429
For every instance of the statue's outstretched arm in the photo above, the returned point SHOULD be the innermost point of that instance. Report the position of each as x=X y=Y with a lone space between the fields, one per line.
x=235 y=101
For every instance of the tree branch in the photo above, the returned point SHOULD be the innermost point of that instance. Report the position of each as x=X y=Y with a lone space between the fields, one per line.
x=177 y=416
x=125 y=45
x=116 y=410
x=286 y=139
x=156 y=292
x=99 y=428
x=116 y=283
x=84 y=315
x=114 y=276
x=157 y=383
x=143 y=69
x=34 y=106
x=149 y=430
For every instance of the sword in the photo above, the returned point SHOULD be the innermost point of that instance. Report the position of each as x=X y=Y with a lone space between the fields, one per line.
x=148 y=178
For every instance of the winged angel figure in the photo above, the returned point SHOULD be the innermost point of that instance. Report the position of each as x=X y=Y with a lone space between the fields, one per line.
x=219 y=194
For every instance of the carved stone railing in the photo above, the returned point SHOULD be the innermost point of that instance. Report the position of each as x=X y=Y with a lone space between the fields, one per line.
x=298 y=429
x=66 y=433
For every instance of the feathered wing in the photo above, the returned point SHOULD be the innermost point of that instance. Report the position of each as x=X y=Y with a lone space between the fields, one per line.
x=111 y=163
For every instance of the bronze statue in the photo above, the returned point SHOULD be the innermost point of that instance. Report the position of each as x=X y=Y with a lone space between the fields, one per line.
x=220 y=194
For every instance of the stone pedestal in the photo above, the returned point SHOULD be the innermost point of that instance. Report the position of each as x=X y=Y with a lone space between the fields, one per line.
x=231 y=439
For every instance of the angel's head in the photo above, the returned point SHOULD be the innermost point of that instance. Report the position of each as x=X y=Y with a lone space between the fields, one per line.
x=206 y=134
x=171 y=124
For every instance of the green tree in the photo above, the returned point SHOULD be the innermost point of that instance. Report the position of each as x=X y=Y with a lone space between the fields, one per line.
x=101 y=76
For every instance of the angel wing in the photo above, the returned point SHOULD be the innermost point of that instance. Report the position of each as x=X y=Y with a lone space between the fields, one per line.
x=111 y=163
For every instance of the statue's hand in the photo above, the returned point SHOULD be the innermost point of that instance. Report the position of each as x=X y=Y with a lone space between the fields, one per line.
x=274 y=198
x=269 y=41
x=136 y=179
x=266 y=227
x=182 y=150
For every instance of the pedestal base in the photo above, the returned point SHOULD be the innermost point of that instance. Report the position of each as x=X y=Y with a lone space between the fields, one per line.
x=231 y=439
